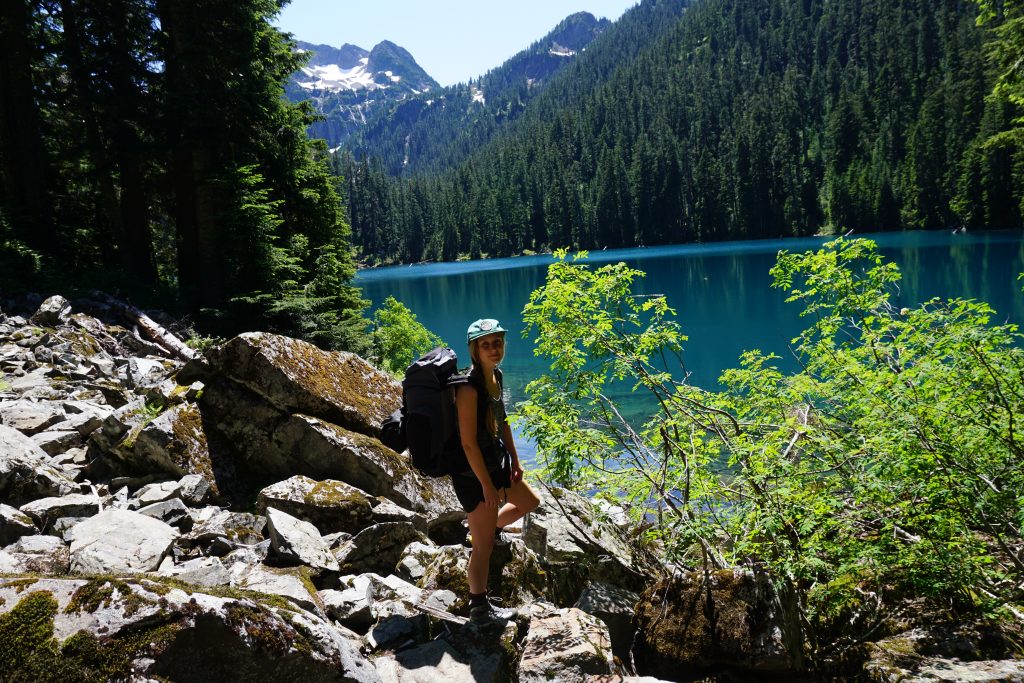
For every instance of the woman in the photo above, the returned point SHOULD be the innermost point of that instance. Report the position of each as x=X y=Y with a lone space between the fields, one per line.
x=492 y=490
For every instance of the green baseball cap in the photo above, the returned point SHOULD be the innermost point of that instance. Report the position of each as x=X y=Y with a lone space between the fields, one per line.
x=482 y=328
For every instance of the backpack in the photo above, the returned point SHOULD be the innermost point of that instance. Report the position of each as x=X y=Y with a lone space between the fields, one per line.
x=427 y=419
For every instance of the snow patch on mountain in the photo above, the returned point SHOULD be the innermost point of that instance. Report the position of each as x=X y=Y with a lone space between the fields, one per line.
x=334 y=78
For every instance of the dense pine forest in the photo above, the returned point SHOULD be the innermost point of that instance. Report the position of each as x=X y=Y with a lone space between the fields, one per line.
x=145 y=147
x=718 y=119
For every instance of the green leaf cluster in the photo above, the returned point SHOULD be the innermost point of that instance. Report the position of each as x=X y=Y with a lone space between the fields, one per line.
x=891 y=464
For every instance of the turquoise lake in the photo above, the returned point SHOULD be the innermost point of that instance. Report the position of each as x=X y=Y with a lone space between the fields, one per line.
x=721 y=292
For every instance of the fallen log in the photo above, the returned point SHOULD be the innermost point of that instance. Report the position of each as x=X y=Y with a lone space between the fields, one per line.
x=148 y=327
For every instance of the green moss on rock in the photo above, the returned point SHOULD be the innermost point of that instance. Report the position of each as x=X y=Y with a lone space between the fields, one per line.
x=20 y=584
x=104 y=592
x=332 y=493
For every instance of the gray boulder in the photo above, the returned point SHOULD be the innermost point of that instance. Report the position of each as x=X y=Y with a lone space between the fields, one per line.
x=377 y=548
x=298 y=377
x=195 y=489
x=175 y=443
x=56 y=441
x=565 y=645
x=157 y=492
x=468 y=654
x=173 y=512
x=147 y=372
x=218 y=532
x=298 y=541
x=139 y=630
x=578 y=544
x=24 y=472
x=201 y=571
x=351 y=604
x=415 y=559
x=945 y=653
x=331 y=505
x=46 y=511
x=275 y=445
x=14 y=524
x=85 y=416
x=290 y=583
x=119 y=541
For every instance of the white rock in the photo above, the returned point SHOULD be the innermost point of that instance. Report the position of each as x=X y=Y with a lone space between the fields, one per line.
x=415 y=559
x=157 y=493
x=194 y=489
x=56 y=441
x=202 y=571
x=36 y=554
x=119 y=541
x=294 y=539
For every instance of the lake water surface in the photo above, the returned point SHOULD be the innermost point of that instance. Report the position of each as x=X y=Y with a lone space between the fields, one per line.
x=721 y=292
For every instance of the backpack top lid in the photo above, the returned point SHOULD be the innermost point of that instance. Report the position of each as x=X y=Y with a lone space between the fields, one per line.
x=435 y=360
x=429 y=411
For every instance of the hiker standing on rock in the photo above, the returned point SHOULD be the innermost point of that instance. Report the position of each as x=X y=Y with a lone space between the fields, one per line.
x=492 y=490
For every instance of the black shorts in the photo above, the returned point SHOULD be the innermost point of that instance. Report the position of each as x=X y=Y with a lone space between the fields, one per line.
x=469 y=491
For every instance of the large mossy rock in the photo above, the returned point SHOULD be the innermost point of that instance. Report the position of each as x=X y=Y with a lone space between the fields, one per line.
x=273 y=445
x=175 y=442
x=297 y=377
x=114 y=629
x=726 y=619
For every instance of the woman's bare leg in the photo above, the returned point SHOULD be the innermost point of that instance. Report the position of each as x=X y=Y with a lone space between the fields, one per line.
x=482 y=522
x=521 y=499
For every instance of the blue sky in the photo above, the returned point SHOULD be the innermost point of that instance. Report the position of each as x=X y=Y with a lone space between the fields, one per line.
x=453 y=40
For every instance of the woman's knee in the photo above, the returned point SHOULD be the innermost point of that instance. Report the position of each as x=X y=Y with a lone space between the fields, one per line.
x=526 y=498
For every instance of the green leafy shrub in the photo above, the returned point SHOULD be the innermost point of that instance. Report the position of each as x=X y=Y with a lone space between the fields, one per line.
x=398 y=338
x=891 y=463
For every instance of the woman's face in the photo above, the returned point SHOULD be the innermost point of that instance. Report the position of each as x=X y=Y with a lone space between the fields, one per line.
x=490 y=349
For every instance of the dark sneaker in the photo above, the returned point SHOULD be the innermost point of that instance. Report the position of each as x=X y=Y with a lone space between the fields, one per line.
x=486 y=612
x=501 y=537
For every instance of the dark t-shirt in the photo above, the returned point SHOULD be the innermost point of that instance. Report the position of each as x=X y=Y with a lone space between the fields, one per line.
x=489 y=442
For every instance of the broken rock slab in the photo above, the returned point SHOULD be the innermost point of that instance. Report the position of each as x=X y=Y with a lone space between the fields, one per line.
x=14 y=524
x=565 y=645
x=31 y=417
x=36 y=555
x=295 y=540
x=24 y=470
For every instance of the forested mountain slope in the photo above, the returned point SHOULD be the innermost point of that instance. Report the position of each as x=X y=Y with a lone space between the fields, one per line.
x=442 y=127
x=734 y=119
